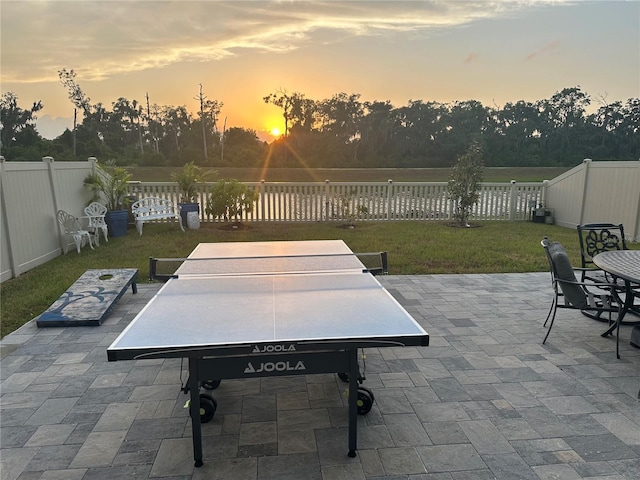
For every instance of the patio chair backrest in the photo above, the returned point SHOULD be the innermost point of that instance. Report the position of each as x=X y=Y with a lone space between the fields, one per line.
x=596 y=238
x=563 y=274
x=68 y=222
x=95 y=209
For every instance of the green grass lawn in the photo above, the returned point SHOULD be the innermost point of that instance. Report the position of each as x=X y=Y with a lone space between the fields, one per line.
x=414 y=248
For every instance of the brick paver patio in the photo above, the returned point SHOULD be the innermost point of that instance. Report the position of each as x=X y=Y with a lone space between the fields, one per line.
x=485 y=400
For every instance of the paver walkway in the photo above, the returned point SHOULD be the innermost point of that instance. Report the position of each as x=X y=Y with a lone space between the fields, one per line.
x=485 y=400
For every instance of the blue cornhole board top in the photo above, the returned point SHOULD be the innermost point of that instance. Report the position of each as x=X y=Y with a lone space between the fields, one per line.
x=90 y=299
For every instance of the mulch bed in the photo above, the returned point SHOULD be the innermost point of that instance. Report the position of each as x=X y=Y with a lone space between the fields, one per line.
x=233 y=226
x=462 y=225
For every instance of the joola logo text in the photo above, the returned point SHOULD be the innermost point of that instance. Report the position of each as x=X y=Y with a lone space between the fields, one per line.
x=273 y=348
x=275 y=367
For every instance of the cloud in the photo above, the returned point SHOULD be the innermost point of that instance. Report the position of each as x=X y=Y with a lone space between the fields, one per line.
x=545 y=50
x=472 y=57
x=102 y=38
x=50 y=127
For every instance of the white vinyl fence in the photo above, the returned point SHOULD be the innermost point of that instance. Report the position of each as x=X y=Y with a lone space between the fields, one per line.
x=32 y=192
x=595 y=192
x=342 y=201
x=30 y=195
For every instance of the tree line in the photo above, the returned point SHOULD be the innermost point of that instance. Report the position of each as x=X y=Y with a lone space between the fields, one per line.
x=342 y=131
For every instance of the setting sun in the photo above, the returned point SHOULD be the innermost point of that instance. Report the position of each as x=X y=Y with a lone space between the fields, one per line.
x=275 y=131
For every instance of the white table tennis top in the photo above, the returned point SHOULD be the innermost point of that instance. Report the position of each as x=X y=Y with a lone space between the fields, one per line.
x=205 y=312
x=270 y=258
x=270 y=249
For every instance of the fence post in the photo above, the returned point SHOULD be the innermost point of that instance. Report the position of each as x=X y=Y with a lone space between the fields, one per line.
x=389 y=198
x=94 y=162
x=54 y=199
x=7 y=232
x=636 y=232
x=585 y=186
x=54 y=190
x=326 y=200
x=262 y=201
x=512 y=201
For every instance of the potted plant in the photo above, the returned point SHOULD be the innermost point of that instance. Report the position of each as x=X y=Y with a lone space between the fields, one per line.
x=187 y=180
x=111 y=182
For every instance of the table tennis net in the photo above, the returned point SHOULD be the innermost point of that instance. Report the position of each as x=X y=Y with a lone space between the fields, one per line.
x=162 y=269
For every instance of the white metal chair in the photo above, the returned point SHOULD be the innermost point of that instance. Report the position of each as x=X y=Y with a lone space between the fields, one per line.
x=70 y=227
x=95 y=212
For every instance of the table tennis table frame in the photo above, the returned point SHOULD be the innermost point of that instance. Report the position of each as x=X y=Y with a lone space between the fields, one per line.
x=203 y=368
x=293 y=358
x=208 y=364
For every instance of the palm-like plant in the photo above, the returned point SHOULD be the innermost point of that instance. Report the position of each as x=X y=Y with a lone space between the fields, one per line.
x=111 y=182
x=187 y=180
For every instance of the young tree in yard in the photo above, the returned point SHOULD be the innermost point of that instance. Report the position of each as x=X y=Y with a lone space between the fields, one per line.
x=464 y=184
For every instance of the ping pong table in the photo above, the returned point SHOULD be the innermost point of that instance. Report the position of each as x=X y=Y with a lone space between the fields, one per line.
x=257 y=309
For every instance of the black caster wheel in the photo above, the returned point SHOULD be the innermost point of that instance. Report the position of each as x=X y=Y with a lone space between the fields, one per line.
x=365 y=401
x=208 y=407
x=365 y=389
x=344 y=377
x=210 y=384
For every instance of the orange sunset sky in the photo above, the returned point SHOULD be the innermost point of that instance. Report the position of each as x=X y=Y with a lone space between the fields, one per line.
x=240 y=51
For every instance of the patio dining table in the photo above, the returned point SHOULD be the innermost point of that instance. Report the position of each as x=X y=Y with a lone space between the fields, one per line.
x=624 y=264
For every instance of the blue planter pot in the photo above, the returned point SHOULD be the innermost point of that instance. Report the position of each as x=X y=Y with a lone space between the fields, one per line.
x=117 y=222
x=186 y=208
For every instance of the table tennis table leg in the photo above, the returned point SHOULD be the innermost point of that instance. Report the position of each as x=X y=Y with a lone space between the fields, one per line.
x=194 y=411
x=354 y=373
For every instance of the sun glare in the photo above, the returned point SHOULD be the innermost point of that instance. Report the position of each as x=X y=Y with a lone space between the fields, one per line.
x=275 y=131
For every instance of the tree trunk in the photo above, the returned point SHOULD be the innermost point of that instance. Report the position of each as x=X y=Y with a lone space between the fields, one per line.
x=75 y=116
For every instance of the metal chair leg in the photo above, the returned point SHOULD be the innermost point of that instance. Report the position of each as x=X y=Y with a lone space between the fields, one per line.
x=553 y=317
x=553 y=304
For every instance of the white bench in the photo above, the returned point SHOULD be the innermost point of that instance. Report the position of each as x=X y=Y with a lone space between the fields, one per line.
x=154 y=208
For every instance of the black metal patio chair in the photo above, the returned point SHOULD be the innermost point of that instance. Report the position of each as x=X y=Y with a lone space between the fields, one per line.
x=569 y=292
x=596 y=238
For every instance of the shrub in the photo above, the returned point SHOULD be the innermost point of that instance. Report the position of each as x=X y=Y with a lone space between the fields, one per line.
x=229 y=199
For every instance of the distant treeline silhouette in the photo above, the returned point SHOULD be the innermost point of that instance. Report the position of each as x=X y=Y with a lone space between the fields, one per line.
x=342 y=131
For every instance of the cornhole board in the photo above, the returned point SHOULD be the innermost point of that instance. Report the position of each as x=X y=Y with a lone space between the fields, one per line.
x=90 y=299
